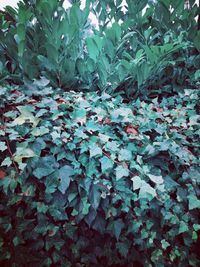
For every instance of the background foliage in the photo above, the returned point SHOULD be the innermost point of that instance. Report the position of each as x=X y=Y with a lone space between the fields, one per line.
x=99 y=134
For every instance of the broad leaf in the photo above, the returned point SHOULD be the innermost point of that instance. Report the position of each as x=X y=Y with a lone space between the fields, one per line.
x=65 y=174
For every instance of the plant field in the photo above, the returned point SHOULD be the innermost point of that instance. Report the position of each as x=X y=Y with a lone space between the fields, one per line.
x=100 y=134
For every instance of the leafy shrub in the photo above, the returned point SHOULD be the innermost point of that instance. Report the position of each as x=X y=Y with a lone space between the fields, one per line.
x=50 y=44
x=87 y=180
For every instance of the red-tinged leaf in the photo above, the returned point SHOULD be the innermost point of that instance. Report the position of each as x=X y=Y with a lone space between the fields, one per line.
x=107 y=120
x=127 y=164
x=107 y=154
x=32 y=101
x=157 y=109
x=61 y=101
x=2 y=175
x=131 y=130
x=2 y=127
x=51 y=233
x=16 y=92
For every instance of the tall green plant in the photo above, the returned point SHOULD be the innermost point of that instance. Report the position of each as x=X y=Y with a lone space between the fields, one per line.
x=149 y=48
x=137 y=49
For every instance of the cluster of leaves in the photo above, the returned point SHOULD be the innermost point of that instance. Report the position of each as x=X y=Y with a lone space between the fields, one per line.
x=147 y=48
x=152 y=47
x=50 y=44
x=88 y=180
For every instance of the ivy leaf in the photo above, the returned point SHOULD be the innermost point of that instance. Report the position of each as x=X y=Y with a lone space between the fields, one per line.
x=6 y=162
x=118 y=225
x=99 y=224
x=194 y=202
x=94 y=196
x=74 y=212
x=42 y=172
x=124 y=154
x=156 y=179
x=26 y=115
x=146 y=191
x=41 y=112
x=79 y=115
x=121 y=171
x=122 y=248
x=41 y=207
x=22 y=153
x=106 y=163
x=65 y=174
x=45 y=166
x=194 y=235
x=196 y=227
x=40 y=131
x=90 y=216
x=113 y=146
x=3 y=146
x=95 y=150
x=165 y=244
x=183 y=227
x=137 y=182
x=86 y=206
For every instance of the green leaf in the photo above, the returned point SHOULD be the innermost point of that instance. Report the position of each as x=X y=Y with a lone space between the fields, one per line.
x=6 y=162
x=113 y=146
x=92 y=48
x=118 y=225
x=106 y=163
x=26 y=116
x=137 y=182
x=183 y=227
x=65 y=174
x=79 y=114
x=122 y=248
x=95 y=150
x=194 y=235
x=45 y=166
x=165 y=244
x=99 y=224
x=22 y=153
x=94 y=196
x=146 y=191
x=121 y=171
x=156 y=179
x=39 y=131
x=86 y=206
x=42 y=208
x=124 y=154
x=3 y=146
x=196 y=227
x=194 y=203
x=42 y=172
x=74 y=212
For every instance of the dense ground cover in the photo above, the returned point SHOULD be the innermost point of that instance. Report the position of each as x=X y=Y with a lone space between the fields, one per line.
x=99 y=134
x=90 y=180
